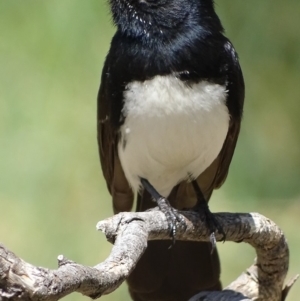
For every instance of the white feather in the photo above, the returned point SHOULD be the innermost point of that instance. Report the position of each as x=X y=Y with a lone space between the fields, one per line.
x=171 y=131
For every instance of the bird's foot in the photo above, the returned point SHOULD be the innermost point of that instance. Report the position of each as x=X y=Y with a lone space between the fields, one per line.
x=174 y=218
x=212 y=223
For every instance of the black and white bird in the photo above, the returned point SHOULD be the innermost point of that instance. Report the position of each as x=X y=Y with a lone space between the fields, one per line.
x=169 y=112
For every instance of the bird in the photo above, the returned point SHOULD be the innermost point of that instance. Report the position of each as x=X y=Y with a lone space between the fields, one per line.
x=169 y=112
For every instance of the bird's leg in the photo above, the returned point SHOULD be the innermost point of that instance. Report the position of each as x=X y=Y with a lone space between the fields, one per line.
x=212 y=223
x=172 y=215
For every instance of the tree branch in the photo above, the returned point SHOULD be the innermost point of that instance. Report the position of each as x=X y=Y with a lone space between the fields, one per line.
x=129 y=232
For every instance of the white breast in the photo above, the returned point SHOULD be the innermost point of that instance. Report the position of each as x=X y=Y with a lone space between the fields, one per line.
x=171 y=131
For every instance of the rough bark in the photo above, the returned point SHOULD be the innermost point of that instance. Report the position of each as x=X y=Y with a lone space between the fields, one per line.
x=129 y=233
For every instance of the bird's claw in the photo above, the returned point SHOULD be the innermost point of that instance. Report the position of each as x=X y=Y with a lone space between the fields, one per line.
x=212 y=223
x=174 y=219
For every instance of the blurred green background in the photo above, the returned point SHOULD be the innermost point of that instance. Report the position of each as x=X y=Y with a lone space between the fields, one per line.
x=51 y=189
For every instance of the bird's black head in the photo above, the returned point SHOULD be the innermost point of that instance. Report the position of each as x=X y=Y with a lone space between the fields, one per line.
x=146 y=18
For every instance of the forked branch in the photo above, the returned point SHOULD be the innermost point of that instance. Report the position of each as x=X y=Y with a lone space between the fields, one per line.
x=129 y=232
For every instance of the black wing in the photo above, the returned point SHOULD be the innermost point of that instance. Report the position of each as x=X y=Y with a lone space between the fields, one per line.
x=117 y=184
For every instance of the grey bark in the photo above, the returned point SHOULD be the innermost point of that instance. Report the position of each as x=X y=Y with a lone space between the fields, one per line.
x=129 y=233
